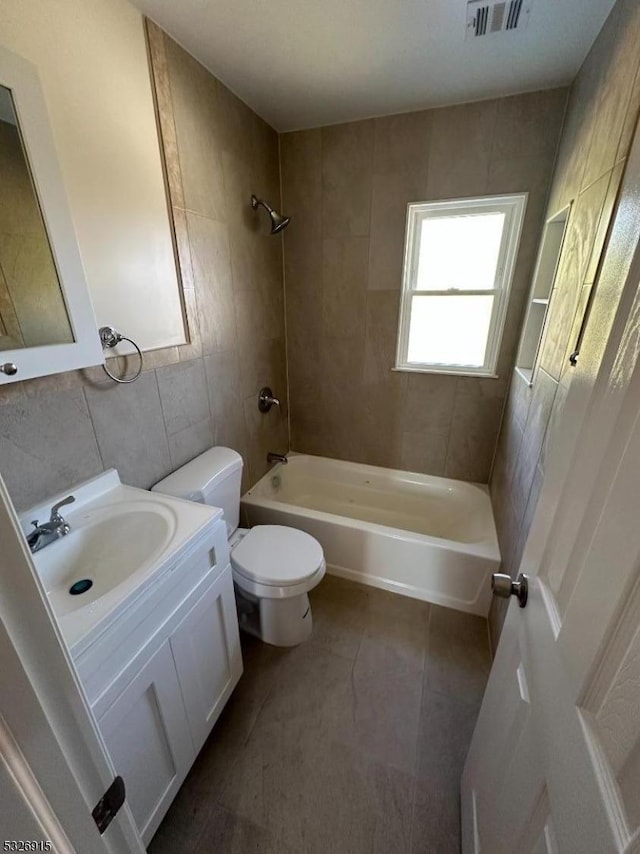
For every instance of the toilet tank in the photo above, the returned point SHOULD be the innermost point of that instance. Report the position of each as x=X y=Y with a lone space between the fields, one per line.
x=213 y=478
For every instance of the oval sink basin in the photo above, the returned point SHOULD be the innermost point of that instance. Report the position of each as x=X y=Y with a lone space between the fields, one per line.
x=122 y=541
x=106 y=547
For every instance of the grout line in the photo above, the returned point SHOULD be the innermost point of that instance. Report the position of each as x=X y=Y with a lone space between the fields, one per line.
x=450 y=427
x=494 y=133
x=253 y=725
x=352 y=682
x=490 y=642
x=209 y=392
x=505 y=401
x=164 y=423
x=93 y=428
x=284 y=300
x=414 y=785
x=164 y=414
x=459 y=700
x=607 y=172
x=367 y=293
x=201 y=215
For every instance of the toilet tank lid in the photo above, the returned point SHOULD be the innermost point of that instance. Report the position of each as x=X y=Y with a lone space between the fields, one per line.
x=197 y=478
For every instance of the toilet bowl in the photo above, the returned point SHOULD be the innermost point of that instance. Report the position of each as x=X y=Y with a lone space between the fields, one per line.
x=274 y=567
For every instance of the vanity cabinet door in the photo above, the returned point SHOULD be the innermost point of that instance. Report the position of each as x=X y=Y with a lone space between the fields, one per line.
x=147 y=736
x=206 y=649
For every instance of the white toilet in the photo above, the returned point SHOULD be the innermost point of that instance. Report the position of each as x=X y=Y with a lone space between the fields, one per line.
x=274 y=567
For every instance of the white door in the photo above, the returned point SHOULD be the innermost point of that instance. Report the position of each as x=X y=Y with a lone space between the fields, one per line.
x=206 y=648
x=53 y=763
x=554 y=764
x=148 y=739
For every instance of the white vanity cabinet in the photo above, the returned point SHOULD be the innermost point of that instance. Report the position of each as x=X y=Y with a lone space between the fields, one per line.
x=206 y=651
x=148 y=740
x=159 y=677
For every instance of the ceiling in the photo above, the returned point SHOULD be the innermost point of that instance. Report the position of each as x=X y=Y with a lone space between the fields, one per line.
x=306 y=63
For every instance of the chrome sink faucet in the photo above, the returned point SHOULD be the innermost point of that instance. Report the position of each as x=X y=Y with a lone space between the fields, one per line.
x=52 y=530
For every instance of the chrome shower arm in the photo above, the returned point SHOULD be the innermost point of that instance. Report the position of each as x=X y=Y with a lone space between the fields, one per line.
x=255 y=201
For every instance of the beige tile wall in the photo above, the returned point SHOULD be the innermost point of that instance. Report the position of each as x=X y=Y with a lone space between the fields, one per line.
x=601 y=118
x=59 y=430
x=346 y=188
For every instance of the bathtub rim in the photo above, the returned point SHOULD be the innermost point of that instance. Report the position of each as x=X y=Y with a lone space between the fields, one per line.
x=487 y=548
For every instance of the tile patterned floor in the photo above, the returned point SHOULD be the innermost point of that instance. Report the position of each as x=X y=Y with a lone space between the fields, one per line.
x=352 y=743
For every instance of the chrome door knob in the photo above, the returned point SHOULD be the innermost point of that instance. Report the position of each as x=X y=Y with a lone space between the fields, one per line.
x=503 y=585
x=9 y=369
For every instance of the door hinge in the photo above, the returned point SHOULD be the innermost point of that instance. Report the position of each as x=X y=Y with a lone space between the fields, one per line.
x=109 y=804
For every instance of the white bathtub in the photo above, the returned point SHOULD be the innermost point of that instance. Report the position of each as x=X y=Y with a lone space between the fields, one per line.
x=422 y=536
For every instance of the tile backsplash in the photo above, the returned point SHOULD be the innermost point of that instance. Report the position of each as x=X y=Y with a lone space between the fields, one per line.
x=55 y=433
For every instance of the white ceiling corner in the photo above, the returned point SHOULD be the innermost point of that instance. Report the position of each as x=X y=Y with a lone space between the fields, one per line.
x=300 y=63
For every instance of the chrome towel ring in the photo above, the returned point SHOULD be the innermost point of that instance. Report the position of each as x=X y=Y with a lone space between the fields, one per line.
x=111 y=338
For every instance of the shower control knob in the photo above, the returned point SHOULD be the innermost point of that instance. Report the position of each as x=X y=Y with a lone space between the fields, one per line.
x=9 y=369
x=266 y=399
x=503 y=586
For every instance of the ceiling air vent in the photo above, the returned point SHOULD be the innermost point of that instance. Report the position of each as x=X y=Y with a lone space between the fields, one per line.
x=485 y=18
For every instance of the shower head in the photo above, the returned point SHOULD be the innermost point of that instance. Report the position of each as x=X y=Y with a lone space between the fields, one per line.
x=278 y=222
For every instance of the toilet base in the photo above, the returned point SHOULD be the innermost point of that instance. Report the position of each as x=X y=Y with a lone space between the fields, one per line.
x=279 y=622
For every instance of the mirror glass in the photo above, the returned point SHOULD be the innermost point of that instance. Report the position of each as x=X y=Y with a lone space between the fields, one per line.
x=32 y=306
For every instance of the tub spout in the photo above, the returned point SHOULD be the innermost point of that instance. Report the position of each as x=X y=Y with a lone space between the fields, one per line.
x=277 y=458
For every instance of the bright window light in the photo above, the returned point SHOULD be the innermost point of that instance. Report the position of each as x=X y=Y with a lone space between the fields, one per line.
x=459 y=260
x=459 y=252
x=450 y=330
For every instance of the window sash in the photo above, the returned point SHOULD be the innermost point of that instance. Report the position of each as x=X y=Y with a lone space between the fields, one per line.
x=455 y=292
x=513 y=207
x=420 y=217
x=497 y=293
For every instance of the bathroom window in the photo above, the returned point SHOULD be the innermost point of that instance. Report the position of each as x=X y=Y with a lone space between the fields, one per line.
x=458 y=266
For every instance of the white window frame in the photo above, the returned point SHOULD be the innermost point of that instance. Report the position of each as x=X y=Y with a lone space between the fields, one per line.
x=513 y=206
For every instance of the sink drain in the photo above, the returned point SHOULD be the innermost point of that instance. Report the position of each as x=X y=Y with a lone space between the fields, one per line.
x=81 y=586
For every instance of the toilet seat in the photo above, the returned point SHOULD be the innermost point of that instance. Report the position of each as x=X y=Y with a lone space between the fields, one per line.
x=277 y=562
x=275 y=554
